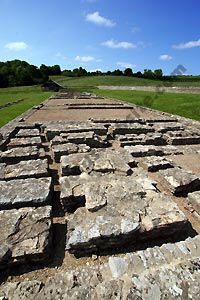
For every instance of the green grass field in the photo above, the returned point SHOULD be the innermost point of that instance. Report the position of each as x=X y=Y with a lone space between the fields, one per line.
x=33 y=95
x=93 y=81
x=186 y=105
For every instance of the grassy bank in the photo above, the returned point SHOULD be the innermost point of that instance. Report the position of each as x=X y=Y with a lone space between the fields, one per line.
x=186 y=105
x=32 y=94
x=93 y=81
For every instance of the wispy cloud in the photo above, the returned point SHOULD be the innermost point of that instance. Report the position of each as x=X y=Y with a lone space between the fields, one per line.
x=187 y=45
x=126 y=65
x=118 y=45
x=135 y=29
x=165 y=57
x=17 y=46
x=84 y=58
x=60 y=55
x=99 y=20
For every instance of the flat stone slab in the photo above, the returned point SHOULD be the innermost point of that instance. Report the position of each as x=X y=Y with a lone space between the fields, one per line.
x=154 y=164
x=118 y=211
x=131 y=128
x=141 y=139
x=15 y=155
x=195 y=200
x=181 y=182
x=25 y=192
x=185 y=137
x=26 y=169
x=142 y=151
x=25 y=142
x=98 y=160
x=28 y=133
x=25 y=235
x=68 y=148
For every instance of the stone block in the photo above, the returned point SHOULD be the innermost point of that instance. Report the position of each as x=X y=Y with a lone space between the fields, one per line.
x=181 y=182
x=25 y=235
x=15 y=155
x=25 y=192
x=142 y=151
x=26 y=169
x=2 y=171
x=194 y=199
x=155 y=164
x=98 y=160
x=25 y=142
x=28 y=133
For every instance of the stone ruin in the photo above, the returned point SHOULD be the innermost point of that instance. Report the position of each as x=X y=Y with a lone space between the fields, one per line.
x=99 y=199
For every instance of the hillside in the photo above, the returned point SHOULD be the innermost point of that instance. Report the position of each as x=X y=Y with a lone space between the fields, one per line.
x=93 y=81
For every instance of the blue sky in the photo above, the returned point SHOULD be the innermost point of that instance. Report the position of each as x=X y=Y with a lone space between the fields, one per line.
x=102 y=34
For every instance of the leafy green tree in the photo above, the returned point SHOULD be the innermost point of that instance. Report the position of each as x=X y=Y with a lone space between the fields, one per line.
x=128 y=72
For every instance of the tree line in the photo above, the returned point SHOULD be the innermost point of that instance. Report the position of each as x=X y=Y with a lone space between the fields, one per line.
x=19 y=73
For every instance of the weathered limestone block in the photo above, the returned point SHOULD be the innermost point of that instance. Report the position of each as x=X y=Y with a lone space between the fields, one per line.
x=171 y=150
x=25 y=192
x=75 y=188
x=181 y=182
x=25 y=142
x=28 y=133
x=141 y=151
x=195 y=200
x=27 y=234
x=165 y=127
x=185 y=137
x=155 y=164
x=163 y=212
x=118 y=211
x=15 y=155
x=54 y=129
x=26 y=169
x=63 y=149
x=89 y=138
x=98 y=160
x=155 y=139
x=131 y=128
x=2 y=171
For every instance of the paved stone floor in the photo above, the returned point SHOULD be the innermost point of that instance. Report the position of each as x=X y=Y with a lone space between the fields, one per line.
x=99 y=199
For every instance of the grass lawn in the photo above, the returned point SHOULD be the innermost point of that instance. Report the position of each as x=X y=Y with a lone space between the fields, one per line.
x=186 y=105
x=93 y=81
x=33 y=94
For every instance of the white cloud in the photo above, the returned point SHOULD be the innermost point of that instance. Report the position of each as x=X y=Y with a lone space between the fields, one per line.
x=95 y=70
x=84 y=58
x=165 y=57
x=117 y=45
x=17 y=46
x=99 y=20
x=126 y=65
x=187 y=45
